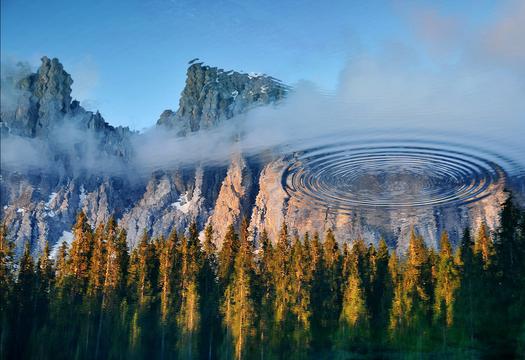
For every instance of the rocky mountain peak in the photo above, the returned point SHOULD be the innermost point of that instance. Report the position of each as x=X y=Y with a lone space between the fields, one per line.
x=44 y=98
x=212 y=95
x=52 y=83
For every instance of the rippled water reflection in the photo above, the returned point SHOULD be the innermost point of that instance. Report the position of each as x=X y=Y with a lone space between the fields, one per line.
x=389 y=171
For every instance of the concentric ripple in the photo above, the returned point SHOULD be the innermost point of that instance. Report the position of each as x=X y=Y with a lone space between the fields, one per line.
x=391 y=174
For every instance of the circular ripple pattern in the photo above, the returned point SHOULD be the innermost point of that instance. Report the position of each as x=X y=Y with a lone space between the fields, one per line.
x=347 y=176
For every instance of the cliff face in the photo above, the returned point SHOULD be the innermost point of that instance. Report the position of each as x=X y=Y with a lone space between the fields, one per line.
x=234 y=200
x=40 y=203
x=46 y=98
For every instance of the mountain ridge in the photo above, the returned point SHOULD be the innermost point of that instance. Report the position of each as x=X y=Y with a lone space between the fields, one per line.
x=40 y=203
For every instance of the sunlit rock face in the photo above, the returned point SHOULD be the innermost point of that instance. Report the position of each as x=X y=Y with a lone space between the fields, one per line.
x=234 y=201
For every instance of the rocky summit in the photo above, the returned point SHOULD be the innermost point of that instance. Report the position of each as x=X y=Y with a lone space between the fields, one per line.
x=39 y=201
x=212 y=95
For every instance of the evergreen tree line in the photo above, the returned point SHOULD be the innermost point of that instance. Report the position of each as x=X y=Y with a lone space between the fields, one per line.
x=179 y=297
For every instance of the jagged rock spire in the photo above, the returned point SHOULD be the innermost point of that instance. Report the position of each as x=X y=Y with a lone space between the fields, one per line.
x=212 y=95
x=52 y=84
x=45 y=97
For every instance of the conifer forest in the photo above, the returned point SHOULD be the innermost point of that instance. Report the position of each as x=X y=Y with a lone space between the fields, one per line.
x=306 y=297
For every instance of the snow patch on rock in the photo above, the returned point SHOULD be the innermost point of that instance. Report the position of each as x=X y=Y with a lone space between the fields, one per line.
x=82 y=196
x=52 y=198
x=182 y=204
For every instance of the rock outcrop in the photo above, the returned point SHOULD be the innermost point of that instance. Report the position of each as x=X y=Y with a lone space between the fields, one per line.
x=212 y=95
x=234 y=201
x=46 y=99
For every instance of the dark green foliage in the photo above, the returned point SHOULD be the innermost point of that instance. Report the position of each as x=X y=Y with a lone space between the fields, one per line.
x=180 y=297
x=412 y=304
x=331 y=284
x=210 y=297
x=6 y=290
x=227 y=254
x=381 y=293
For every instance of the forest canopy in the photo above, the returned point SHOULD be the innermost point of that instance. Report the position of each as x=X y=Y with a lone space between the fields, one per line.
x=290 y=297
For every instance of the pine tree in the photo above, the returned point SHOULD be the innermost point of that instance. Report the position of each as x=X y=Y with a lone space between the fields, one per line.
x=509 y=267
x=227 y=254
x=447 y=283
x=484 y=247
x=62 y=270
x=518 y=310
x=116 y=264
x=169 y=259
x=64 y=306
x=25 y=290
x=300 y=286
x=353 y=326
x=6 y=266
x=146 y=274
x=397 y=306
x=509 y=249
x=80 y=255
x=346 y=264
x=331 y=305
x=133 y=291
x=142 y=280
x=412 y=304
x=44 y=280
x=467 y=314
x=317 y=292
x=25 y=283
x=6 y=287
x=42 y=299
x=44 y=271
x=97 y=264
x=370 y=270
x=167 y=275
x=188 y=318
x=361 y=263
x=281 y=278
x=210 y=294
x=281 y=270
x=112 y=270
x=95 y=279
x=266 y=291
x=382 y=292
x=238 y=307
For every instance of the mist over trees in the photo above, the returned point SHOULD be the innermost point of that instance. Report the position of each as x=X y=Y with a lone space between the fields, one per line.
x=286 y=298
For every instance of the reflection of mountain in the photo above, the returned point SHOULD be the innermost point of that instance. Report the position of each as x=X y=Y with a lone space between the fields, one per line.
x=73 y=144
x=273 y=205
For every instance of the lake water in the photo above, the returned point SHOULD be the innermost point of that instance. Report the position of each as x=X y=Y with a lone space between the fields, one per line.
x=401 y=169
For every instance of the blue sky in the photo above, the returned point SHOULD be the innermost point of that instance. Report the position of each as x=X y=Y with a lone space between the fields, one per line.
x=129 y=58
